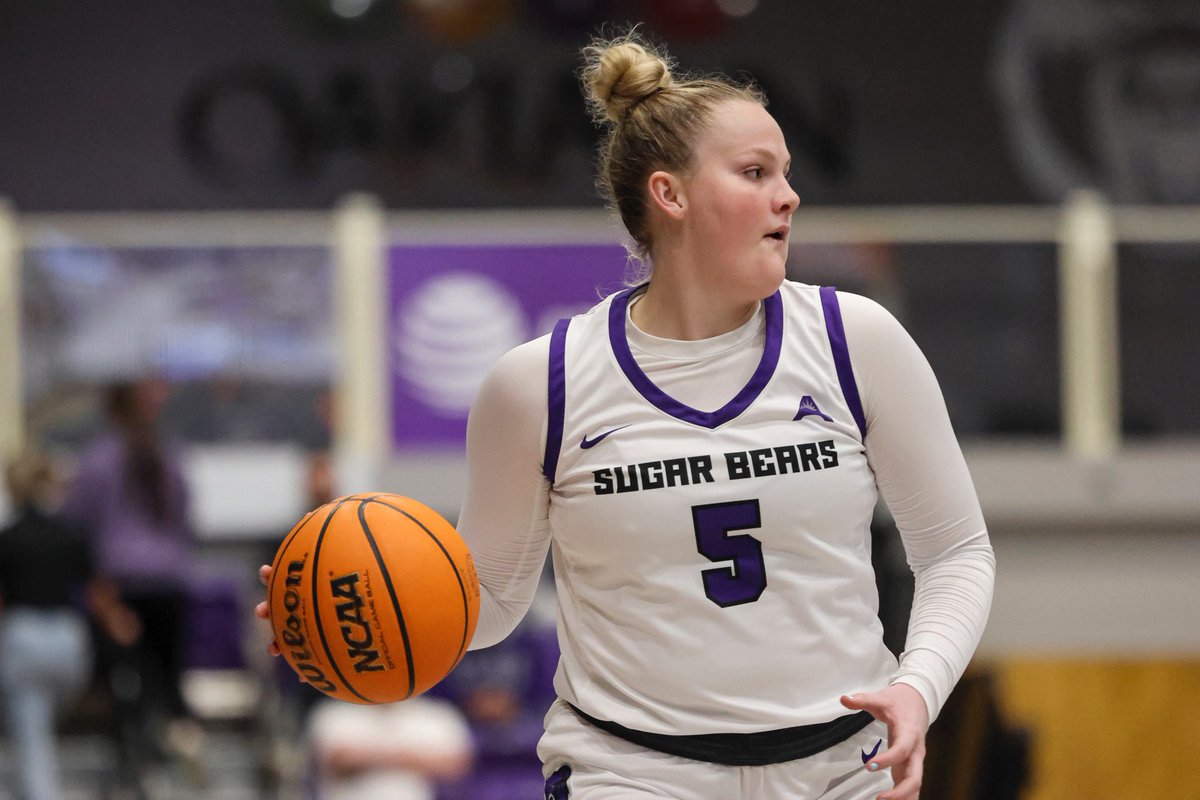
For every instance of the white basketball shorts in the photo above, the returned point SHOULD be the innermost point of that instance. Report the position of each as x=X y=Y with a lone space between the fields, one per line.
x=582 y=762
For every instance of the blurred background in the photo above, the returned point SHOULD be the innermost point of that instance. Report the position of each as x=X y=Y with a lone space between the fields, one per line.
x=293 y=235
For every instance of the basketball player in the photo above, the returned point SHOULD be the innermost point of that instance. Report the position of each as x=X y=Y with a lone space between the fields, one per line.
x=702 y=454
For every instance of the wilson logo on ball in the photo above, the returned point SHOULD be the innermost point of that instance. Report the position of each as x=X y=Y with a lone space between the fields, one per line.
x=292 y=634
x=356 y=631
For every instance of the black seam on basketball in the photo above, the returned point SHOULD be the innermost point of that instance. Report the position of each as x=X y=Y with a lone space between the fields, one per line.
x=317 y=610
x=283 y=549
x=387 y=581
x=450 y=560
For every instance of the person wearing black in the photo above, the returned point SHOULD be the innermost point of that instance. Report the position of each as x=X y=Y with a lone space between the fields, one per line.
x=48 y=581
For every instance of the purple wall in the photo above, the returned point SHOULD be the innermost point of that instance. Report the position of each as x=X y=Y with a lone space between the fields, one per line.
x=454 y=310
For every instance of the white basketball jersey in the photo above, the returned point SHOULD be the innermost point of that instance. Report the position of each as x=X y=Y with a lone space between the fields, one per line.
x=713 y=568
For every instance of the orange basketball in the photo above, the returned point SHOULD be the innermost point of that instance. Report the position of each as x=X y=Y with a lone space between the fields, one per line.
x=373 y=598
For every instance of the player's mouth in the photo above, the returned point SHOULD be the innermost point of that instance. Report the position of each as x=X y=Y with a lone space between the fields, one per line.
x=780 y=234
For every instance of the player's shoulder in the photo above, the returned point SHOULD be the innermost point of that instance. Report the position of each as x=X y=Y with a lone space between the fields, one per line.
x=518 y=379
x=535 y=353
x=524 y=359
x=856 y=311
x=863 y=317
x=877 y=341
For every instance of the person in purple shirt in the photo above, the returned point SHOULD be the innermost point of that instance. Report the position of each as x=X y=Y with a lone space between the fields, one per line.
x=130 y=495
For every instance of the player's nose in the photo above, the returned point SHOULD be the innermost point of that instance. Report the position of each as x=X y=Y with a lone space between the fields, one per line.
x=787 y=199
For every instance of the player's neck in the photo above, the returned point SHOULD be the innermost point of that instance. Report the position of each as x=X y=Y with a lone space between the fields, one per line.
x=687 y=311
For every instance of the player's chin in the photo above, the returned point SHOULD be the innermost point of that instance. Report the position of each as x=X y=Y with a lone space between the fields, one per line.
x=769 y=275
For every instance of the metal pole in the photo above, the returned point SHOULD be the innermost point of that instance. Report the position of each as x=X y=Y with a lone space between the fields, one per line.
x=1088 y=318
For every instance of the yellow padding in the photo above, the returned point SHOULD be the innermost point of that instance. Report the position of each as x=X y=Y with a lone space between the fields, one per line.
x=1107 y=728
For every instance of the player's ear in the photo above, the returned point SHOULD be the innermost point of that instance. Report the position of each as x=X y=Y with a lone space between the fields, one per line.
x=666 y=194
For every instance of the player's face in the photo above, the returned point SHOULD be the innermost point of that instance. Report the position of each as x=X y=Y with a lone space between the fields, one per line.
x=740 y=203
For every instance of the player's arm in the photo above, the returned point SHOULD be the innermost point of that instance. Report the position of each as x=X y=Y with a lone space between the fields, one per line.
x=504 y=515
x=924 y=480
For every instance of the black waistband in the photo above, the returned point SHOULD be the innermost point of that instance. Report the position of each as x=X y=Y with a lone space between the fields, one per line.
x=743 y=749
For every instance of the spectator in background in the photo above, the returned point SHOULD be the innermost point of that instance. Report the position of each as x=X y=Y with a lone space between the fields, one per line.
x=393 y=751
x=47 y=578
x=130 y=495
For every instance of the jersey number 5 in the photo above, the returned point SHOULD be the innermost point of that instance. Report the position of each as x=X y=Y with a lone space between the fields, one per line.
x=745 y=580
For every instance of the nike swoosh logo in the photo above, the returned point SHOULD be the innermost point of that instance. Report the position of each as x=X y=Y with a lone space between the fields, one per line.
x=588 y=443
x=868 y=756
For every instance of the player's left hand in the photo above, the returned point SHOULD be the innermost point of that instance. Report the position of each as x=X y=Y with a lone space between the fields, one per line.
x=903 y=710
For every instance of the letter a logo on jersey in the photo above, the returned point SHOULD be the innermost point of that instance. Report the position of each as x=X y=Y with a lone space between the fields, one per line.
x=809 y=406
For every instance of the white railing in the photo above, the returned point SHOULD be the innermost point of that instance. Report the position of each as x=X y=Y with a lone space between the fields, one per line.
x=1085 y=228
x=1086 y=231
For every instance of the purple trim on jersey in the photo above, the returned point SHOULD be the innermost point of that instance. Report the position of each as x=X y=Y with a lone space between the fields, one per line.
x=556 y=397
x=773 y=307
x=841 y=356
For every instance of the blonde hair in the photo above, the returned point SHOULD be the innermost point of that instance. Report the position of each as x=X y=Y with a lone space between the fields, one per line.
x=652 y=119
x=31 y=478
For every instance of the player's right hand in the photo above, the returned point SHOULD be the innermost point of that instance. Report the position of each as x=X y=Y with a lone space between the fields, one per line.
x=262 y=611
x=903 y=709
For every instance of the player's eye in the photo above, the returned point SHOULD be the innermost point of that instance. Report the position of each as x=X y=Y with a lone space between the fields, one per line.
x=754 y=172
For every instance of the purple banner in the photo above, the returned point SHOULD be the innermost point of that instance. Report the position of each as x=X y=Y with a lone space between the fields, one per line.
x=453 y=311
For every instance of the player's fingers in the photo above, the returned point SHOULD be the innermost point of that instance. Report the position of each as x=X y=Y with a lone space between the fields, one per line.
x=899 y=750
x=853 y=701
x=873 y=705
x=865 y=702
x=261 y=612
x=264 y=574
x=907 y=781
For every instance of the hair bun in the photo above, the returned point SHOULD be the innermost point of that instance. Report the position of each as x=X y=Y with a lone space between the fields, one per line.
x=621 y=74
